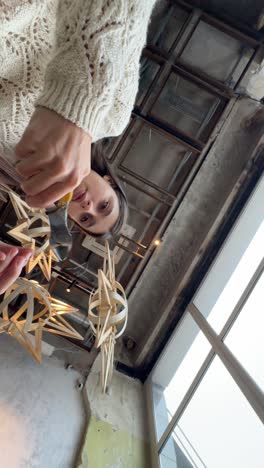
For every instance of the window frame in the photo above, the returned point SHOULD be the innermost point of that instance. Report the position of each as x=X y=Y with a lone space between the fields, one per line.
x=246 y=384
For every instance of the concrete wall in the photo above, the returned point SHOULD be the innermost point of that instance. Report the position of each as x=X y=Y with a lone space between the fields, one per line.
x=117 y=435
x=42 y=414
x=151 y=300
x=255 y=86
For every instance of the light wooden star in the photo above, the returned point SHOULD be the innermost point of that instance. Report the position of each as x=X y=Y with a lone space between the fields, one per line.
x=44 y=261
x=20 y=323
x=57 y=324
x=22 y=209
x=26 y=324
x=107 y=315
x=26 y=234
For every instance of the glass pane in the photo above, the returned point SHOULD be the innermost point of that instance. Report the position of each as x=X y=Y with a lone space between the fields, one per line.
x=174 y=454
x=235 y=265
x=148 y=71
x=184 y=105
x=109 y=145
x=246 y=338
x=218 y=428
x=145 y=215
x=146 y=152
x=223 y=53
x=176 y=370
x=170 y=21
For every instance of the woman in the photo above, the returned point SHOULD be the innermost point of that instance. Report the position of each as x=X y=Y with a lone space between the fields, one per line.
x=99 y=208
x=77 y=64
x=99 y=204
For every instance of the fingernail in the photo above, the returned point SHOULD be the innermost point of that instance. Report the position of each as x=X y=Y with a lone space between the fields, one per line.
x=2 y=256
x=13 y=251
x=26 y=251
x=21 y=261
x=27 y=259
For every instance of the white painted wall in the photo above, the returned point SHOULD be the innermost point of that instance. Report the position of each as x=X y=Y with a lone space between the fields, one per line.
x=42 y=416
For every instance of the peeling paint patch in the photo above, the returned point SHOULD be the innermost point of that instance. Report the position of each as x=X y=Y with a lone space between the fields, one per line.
x=107 y=447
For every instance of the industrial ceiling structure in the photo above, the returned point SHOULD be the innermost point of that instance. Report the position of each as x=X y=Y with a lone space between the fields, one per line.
x=192 y=68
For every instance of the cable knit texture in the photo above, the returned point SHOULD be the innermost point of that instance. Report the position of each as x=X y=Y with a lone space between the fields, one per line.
x=79 y=58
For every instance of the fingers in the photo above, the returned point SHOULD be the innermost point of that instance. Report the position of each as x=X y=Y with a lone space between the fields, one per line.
x=38 y=183
x=8 y=249
x=26 y=147
x=54 y=154
x=8 y=252
x=53 y=193
x=12 y=272
x=24 y=252
x=2 y=256
x=29 y=166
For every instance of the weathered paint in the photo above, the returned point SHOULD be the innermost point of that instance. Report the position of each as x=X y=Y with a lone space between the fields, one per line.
x=42 y=414
x=107 y=447
x=117 y=433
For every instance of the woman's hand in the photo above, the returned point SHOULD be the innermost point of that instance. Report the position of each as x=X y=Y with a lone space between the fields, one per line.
x=12 y=260
x=54 y=155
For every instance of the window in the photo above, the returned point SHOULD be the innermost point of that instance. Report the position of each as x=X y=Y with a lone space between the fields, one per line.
x=232 y=270
x=172 y=377
x=207 y=387
x=247 y=343
x=143 y=155
x=182 y=95
x=218 y=428
x=171 y=23
x=225 y=56
x=186 y=106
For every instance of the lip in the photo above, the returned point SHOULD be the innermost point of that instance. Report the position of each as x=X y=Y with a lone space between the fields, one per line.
x=79 y=196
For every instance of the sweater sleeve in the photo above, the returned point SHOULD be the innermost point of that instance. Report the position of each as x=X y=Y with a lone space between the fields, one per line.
x=92 y=79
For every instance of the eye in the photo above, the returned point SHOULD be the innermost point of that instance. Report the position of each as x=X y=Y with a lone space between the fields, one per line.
x=84 y=218
x=104 y=205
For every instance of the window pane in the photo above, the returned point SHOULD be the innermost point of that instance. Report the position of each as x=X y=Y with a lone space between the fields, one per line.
x=150 y=147
x=225 y=56
x=171 y=20
x=218 y=428
x=148 y=71
x=235 y=265
x=175 y=454
x=185 y=105
x=176 y=370
x=246 y=338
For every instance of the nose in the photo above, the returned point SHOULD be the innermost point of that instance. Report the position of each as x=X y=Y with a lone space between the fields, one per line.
x=86 y=204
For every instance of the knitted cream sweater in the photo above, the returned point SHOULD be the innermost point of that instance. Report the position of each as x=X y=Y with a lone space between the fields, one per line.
x=77 y=57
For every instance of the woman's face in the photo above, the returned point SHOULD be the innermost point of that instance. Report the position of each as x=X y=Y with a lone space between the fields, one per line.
x=95 y=205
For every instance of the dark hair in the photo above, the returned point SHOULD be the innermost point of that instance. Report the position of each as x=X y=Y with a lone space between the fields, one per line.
x=100 y=165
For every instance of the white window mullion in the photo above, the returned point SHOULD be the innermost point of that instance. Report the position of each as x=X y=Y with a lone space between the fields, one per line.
x=186 y=400
x=151 y=424
x=239 y=306
x=247 y=385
